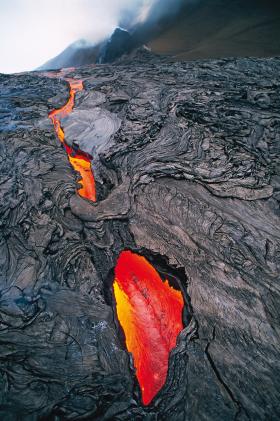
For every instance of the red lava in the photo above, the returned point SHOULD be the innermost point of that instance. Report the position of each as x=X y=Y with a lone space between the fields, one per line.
x=150 y=313
x=79 y=160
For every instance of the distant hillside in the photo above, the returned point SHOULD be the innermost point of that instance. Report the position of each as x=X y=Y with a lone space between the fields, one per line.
x=222 y=28
x=81 y=53
x=77 y=54
x=204 y=29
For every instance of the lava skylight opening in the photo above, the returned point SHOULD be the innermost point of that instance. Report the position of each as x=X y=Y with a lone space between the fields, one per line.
x=149 y=311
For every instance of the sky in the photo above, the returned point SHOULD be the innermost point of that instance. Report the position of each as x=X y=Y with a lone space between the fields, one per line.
x=34 y=31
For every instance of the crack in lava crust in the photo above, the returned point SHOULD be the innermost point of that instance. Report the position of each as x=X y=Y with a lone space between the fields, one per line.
x=150 y=313
x=80 y=161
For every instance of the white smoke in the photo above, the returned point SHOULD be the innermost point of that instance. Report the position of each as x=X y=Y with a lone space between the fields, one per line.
x=33 y=31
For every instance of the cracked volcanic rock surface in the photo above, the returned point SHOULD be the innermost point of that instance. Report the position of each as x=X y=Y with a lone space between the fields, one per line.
x=186 y=162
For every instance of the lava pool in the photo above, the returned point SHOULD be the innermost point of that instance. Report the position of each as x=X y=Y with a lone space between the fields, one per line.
x=149 y=311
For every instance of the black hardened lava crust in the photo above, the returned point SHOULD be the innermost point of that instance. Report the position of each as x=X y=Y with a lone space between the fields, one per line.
x=186 y=161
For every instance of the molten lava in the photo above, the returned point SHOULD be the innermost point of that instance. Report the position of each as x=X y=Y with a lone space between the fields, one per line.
x=79 y=160
x=150 y=313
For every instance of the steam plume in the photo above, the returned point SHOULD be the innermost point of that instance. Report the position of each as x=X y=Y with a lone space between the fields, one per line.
x=32 y=31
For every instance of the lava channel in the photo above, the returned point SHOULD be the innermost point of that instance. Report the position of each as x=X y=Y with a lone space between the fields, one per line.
x=80 y=161
x=150 y=313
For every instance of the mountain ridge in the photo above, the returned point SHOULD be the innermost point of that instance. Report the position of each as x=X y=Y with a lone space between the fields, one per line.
x=199 y=30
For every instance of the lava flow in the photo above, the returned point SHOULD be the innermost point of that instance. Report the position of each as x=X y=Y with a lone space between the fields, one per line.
x=150 y=313
x=79 y=160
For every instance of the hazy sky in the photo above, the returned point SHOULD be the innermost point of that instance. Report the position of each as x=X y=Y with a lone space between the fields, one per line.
x=33 y=31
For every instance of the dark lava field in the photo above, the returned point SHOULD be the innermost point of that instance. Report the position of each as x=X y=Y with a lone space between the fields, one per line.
x=185 y=158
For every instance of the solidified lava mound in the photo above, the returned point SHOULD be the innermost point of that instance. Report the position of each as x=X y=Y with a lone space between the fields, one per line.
x=185 y=158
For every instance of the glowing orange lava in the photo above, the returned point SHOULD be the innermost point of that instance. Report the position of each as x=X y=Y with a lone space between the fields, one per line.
x=79 y=160
x=150 y=313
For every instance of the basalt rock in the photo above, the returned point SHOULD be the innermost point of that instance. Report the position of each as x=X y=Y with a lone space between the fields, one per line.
x=120 y=43
x=186 y=162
